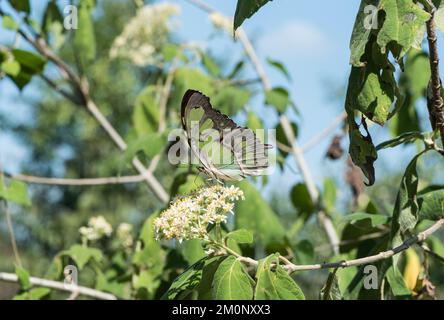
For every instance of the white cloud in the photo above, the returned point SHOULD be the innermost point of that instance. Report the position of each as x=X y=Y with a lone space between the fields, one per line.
x=293 y=39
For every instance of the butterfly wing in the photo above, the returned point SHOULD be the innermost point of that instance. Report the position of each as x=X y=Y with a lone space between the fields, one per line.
x=225 y=150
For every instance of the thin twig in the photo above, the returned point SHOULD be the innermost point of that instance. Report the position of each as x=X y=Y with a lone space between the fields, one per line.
x=57 y=285
x=12 y=234
x=76 y=182
x=81 y=85
x=370 y=259
x=291 y=267
x=324 y=133
x=10 y=225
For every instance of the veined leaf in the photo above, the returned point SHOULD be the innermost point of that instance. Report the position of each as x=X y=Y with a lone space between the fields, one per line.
x=186 y=282
x=432 y=205
x=402 y=26
x=23 y=278
x=231 y=282
x=397 y=284
x=16 y=192
x=331 y=291
x=403 y=138
x=241 y=236
x=405 y=213
x=362 y=149
x=275 y=284
x=376 y=219
x=82 y=255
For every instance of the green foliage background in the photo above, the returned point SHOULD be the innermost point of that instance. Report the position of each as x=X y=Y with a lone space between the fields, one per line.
x=388 y=83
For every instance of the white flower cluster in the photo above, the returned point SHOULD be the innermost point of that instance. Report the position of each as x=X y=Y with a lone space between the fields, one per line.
x=221 y=22
x=124 y=234
x=145 y=34
x=188 y=217
x=97 y=228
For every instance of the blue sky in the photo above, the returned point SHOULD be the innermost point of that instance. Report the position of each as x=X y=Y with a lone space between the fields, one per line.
x=311 y=39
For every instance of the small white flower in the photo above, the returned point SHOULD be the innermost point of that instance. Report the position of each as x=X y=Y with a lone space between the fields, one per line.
x=124 y=234
x=188 y=217
x=97 y=228
x=221 y=22
x=145 y=34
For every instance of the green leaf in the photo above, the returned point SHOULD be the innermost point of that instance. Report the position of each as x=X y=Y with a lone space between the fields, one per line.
x=301 y=198
x=52 y=15
x=275 y=284
x=402 y=24
x=277 y=97
x=191 y=78
x=210 y=65
x=146 y=112
x=279 y=66
x=241 y=236
x=375 y=219
x=184 y=183
x=84 y=39
x=151 y=144
x=17 y=192
x=412 y=85
x=402 y=139
x=304 y=252
x=331 y=291
x=30 y=65
x=149 y=253
x=230 y=100
x=11 y=67
x=231 y=282
x=192 y=250
x=205 y=286
x=362 y=149
x=82 y=255
x=255 y=214
x=23 y=278
x=30 y=61
x=253 y=121
x=170 y=51
x=397 y=284
x=372 y=90
x=432 y=205
x=281 y=137
x=9 y=23
x=146 y=280
x=186 y=282
x=405 y=213
x=329 y=194
x=245 y=9
x=33 y=294
x=21 y=5
x=401 y=28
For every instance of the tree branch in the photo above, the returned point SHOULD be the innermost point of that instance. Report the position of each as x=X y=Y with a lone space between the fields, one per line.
x=291 y=267
x=57 y=285
x=76 y=182
x=435 y=103
x=81 y=85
